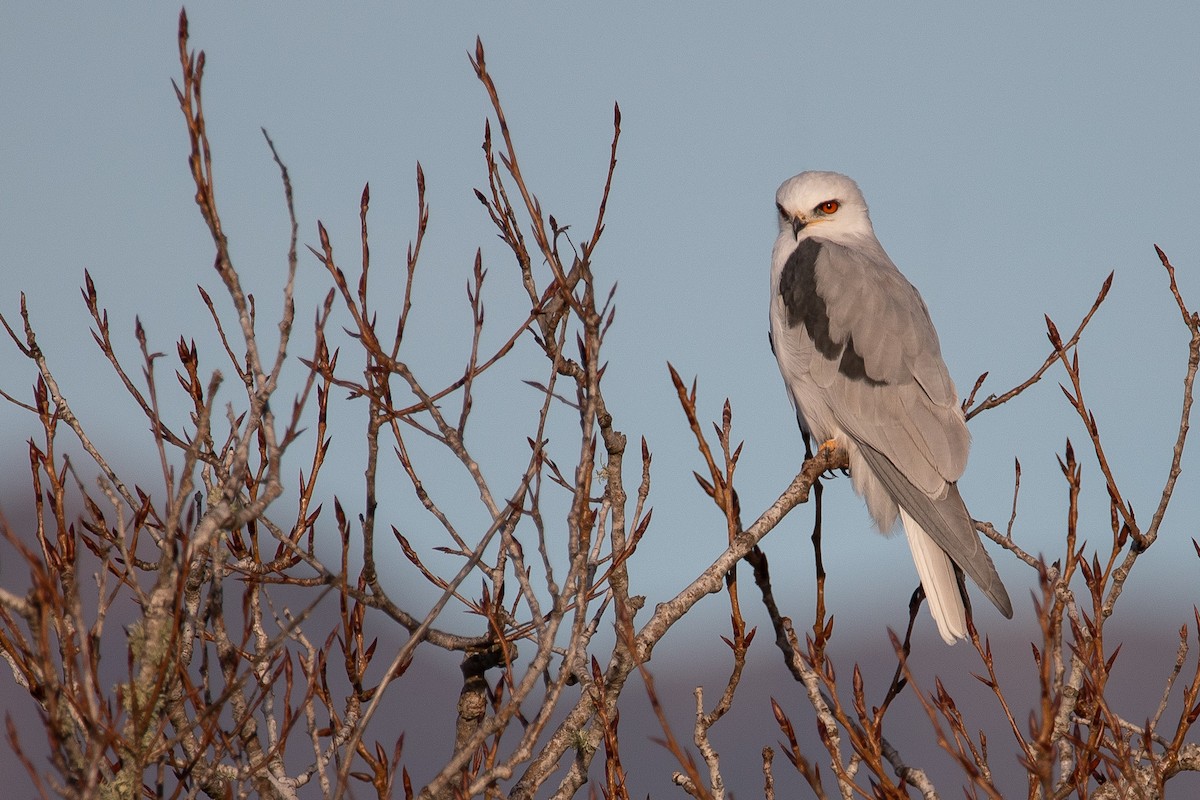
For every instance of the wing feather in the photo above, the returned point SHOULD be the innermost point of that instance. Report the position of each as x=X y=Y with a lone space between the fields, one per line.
x=872 y=307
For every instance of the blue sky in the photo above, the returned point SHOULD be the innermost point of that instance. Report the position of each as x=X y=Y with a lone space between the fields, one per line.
x=1012 y=156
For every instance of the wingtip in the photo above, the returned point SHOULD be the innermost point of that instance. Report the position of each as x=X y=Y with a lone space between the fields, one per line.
x=999 y=596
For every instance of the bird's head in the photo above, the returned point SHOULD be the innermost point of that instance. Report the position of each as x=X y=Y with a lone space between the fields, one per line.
x=825 y=205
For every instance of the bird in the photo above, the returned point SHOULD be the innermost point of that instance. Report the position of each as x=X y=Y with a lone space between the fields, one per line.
x=863 y=367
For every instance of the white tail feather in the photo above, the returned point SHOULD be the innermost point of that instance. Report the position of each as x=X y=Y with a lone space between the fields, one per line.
x=936 y=571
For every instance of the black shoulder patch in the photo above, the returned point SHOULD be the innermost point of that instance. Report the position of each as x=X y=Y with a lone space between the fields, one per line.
x=798 y=287
x=853 y=366
x=805 y=306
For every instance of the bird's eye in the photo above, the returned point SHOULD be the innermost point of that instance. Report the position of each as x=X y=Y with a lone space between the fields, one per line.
x=783 y=214
x=829 y=206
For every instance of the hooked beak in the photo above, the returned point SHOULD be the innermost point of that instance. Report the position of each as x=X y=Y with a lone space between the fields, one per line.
x=798 y=224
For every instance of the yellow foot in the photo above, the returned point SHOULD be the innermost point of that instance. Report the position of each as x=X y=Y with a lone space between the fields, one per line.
x=830 y=445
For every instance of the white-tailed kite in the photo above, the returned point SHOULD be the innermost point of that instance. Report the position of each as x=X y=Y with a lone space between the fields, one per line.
x=863 y=367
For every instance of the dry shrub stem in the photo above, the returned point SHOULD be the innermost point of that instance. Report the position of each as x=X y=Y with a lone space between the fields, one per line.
x=243 y=630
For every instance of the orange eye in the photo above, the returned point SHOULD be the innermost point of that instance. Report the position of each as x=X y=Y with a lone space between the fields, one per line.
x=829 y=206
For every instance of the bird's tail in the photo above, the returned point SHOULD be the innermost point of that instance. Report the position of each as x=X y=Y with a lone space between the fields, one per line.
x=939 y=581
x=944 y=524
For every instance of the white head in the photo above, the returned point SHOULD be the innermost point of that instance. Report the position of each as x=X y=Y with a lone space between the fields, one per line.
x=826 y=205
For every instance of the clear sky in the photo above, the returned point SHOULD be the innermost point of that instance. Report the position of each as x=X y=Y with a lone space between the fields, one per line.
x=1012 y=156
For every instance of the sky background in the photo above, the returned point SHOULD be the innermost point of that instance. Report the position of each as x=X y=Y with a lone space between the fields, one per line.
x=1012 y=157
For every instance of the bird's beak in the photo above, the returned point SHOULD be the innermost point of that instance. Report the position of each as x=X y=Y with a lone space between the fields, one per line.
x=798 y=224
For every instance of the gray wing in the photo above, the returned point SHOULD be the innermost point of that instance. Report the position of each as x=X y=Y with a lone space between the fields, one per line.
x=876 y=354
